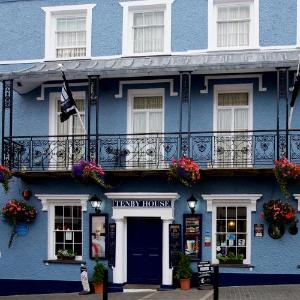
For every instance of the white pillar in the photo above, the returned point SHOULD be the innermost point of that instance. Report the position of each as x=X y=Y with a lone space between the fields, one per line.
x=166 y=271
x=118 y=270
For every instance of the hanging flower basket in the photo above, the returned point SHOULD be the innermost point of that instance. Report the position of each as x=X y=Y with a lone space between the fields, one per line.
x=18 y=214
x=86 y=172
x=5 y=176
x=278 y=214
x=184 y=170
x=285 y=171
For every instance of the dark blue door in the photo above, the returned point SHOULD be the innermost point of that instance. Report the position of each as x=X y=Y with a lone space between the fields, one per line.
x=144 y=252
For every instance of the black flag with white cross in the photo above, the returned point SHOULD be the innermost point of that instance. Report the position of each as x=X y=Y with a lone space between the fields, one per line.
x=67 y=103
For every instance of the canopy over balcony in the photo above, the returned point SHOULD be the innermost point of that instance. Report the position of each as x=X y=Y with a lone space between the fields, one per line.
x=199 y=63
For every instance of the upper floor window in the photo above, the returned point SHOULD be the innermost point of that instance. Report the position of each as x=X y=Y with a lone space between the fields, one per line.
x=234 y=24
x=147 y=27
x=68 y=31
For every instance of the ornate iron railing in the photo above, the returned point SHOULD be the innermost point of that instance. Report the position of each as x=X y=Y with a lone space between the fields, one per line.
x=249 y=149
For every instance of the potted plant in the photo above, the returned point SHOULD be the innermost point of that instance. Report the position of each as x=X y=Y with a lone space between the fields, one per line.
x=98 y=277
x=185 y=170
x=86 y=171
x=278 y=214
x=5 y=176
x=231 y=258
x=183 y=271
x=18 y=214
x=65 y=254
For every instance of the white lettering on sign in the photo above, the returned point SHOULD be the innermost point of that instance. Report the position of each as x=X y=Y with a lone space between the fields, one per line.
x=141 y=203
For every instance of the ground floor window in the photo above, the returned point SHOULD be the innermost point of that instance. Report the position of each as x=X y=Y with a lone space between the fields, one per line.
x=231 y=225
x=231 y=231
x=68 y=229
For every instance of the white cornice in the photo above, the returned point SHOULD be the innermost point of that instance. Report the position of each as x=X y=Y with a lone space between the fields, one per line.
x=47 y=199
x=145 y=3
x=67 y=7
x=143 y=196
x=232 y=199
x=297 y=197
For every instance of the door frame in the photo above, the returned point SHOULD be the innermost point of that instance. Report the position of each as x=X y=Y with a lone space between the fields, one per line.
x=120 y=214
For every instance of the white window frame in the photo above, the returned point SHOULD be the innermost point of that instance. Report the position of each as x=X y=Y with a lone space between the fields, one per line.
x=233 y=88
x=129 y=8
x=49 y=201
x=212 y=23
x=241 y=200
x=52 y=12
x=143 y=93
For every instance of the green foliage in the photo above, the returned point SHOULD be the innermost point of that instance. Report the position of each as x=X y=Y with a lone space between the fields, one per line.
x=183 y=269
x=231 y=258
x=98 y=274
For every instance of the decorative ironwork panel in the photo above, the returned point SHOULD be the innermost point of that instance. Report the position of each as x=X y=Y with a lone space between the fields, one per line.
x=202 y=150
x=282 y=146
x=295 y=148
x=264 y=149
x=93 y=91
x=7 y=94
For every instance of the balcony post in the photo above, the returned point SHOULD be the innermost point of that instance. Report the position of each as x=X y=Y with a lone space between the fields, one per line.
x=93 y=99
x=185 y=97
x=7 y=105
x=282 y=93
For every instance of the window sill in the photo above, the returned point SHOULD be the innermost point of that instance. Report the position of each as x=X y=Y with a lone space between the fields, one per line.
x=240 y=266
x=66 y=262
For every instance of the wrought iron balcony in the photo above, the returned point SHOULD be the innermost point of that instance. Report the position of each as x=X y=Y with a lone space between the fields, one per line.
x=249 y=149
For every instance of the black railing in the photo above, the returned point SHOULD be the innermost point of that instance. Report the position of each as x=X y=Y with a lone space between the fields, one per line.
x=248 y=149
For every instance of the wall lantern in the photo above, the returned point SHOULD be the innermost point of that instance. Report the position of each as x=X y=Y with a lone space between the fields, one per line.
x=192 y=201
x=95 y=203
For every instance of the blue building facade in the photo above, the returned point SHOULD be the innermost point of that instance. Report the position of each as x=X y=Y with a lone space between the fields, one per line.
x=153 y=80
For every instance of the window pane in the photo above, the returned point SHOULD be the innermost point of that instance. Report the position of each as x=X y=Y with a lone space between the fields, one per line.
x=68 y=237
x=232 y=99
x=221 y=226
x=231 y=226
x=231 y=212
x=241 y=119
x=242 y=250
x=221 y=212
x=78 y=249
x=224 y=119
x=221 y=240
x=139 y=122
x=241 y=226
x=59 y=211
x=231 y=250
x=77 y=237
x=59 y=247
x=153 y=102
x=241 y=238
x=241 y=212
x=59 y=237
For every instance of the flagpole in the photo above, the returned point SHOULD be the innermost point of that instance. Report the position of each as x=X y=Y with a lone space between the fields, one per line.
x=76 y=109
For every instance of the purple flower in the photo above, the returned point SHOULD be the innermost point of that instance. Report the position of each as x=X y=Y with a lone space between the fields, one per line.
x=78 y=170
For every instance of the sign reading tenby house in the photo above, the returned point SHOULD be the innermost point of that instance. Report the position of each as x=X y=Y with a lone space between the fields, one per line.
x=142 y=203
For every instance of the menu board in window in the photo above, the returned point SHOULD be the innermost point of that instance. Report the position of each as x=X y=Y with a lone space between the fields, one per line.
x=111 y=244
x=192 y=235
x=175 y=244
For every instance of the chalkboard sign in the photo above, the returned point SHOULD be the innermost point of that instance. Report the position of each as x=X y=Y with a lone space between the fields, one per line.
x=205 y=270
x=111 y=244
x=175 y=245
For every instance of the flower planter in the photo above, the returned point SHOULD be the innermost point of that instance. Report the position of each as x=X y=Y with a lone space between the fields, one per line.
x=65 y=257
x=276 y=230
x=231 y=262
x=293 y=230
x=22 y=229
x=98 y=287
x=185 y=284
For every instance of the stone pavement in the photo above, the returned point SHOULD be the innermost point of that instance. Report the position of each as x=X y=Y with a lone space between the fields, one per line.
x=270 y=292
